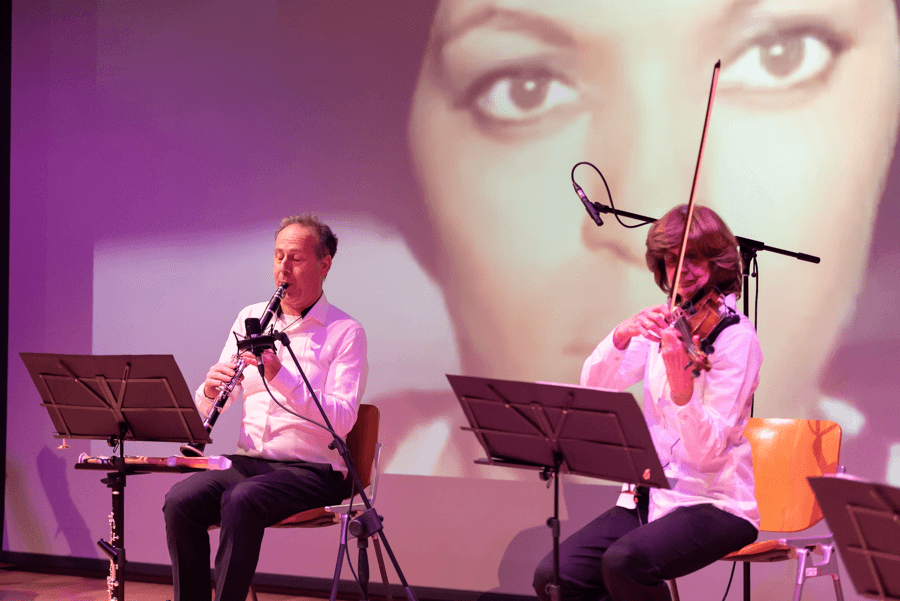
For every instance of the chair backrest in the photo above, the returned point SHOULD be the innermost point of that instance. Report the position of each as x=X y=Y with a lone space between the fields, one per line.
x=785 y=453
x=363 y=440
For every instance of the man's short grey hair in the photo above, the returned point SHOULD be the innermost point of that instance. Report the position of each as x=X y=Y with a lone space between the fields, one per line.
x=326 y=241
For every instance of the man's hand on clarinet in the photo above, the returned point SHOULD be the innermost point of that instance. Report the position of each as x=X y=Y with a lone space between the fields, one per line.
x=219 y=375
x=270 y=361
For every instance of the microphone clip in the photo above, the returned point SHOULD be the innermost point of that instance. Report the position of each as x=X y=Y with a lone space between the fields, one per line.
x=255 y=341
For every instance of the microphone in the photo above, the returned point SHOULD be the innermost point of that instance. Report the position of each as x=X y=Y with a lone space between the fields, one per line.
x=591 y=209
x=253 y=328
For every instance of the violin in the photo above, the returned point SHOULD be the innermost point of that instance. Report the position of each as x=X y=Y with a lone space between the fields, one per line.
x=701 y=316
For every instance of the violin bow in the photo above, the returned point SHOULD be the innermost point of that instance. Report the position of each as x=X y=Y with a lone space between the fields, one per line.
x=690 y=212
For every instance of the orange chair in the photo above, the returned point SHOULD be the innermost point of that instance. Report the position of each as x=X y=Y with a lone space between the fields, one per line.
x=785 y=453
x=362 y=442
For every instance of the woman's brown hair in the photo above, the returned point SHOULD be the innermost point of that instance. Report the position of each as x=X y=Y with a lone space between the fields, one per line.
x=709 y=238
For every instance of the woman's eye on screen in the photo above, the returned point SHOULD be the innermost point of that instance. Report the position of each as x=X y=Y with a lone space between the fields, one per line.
x=784 y=60
x=518 y=97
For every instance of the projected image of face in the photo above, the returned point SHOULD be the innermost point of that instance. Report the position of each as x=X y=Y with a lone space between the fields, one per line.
x=512 y=94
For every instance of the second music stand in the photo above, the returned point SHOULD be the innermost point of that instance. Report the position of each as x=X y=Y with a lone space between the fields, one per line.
x=864 y=518
x=558 y=429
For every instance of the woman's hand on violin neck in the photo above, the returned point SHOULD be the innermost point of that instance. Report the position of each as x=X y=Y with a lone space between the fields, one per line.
x=648 y=323
x=677 y=362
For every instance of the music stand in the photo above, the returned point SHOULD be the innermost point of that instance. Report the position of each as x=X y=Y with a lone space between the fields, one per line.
x=864 y=518
x=116 y=398
x=560 y=429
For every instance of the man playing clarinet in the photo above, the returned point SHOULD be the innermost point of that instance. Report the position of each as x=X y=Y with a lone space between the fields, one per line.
x=282 y=465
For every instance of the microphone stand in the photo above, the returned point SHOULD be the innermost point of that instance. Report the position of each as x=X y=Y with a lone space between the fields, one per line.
x=369 y=522
x=748 y=247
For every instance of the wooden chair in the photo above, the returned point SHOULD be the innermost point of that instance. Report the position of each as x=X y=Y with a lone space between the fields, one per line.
x=785 y=453
x=365 y=451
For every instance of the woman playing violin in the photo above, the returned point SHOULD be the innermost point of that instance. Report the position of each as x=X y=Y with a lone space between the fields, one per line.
x=696 y=422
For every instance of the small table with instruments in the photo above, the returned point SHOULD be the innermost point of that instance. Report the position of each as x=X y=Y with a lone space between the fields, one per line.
x=115 y=480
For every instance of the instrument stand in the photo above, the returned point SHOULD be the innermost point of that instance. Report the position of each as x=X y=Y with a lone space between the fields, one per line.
x=116 y=398
x=369 y=522
x=558 y=429
x=553 y=523
x=864 y=518
x=115 y=548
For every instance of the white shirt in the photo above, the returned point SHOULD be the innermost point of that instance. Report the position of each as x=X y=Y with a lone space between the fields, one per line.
x=331 y=348
x=701 y=444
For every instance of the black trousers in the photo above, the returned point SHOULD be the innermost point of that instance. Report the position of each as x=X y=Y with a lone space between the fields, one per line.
x=621 y=557
x=243 y=500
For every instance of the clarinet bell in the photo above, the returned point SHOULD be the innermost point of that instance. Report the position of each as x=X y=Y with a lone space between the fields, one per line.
x=192 y=450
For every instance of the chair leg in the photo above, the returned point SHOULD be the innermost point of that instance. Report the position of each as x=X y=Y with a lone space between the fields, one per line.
x=802 y=559
x=829 y=566
x=384 y=577
x=673 y=589
x=252 y=595
x=807 y=567
x=838 y=593
x=746 y=581
x=342 y=549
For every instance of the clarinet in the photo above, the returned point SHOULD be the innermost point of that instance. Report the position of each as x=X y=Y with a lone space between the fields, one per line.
x=272 y=309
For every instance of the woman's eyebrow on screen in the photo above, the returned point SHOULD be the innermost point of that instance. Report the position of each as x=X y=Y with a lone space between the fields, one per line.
x=541 y=27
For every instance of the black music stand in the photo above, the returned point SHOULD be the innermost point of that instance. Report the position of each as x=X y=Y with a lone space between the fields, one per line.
x=864 y=518
x=116 y=398
x=560 y=429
